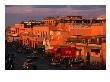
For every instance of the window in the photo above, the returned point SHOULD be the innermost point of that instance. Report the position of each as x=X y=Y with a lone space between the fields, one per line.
x=58 y=33
x=46 y=33
x=51 y=32
x=38 y=34
x=96 y=51
x=43 y=34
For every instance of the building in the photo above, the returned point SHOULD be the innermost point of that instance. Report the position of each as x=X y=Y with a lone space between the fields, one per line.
x=50 y=21
x=88 y=35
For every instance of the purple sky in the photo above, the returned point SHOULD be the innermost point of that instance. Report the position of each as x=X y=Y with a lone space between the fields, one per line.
x=17 y=13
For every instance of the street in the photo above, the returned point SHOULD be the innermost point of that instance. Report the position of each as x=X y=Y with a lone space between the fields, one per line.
x=18 y=57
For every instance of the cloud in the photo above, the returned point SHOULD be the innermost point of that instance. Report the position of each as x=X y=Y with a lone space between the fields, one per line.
x=16 y=9
x=38 y=11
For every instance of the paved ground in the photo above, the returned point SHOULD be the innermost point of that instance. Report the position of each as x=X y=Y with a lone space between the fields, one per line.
x=19 y=56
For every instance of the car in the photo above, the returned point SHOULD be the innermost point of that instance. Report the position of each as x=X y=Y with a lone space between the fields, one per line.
x=55 y=63
x=19 y=51
x=34 y=52
x=29 y=61
x=29 y=64
x=29 y=67
x=25 y=66
x=32 y=57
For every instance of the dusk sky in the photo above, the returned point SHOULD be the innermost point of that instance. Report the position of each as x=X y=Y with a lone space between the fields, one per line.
x=17 y=13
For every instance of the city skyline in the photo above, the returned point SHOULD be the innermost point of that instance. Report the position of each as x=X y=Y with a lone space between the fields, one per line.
x=76 y=40
x=14 y=15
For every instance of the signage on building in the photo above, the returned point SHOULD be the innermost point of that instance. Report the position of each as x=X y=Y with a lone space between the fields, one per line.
x=68 y=52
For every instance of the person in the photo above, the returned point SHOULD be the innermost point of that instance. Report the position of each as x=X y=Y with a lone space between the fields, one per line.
x=88 y=58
